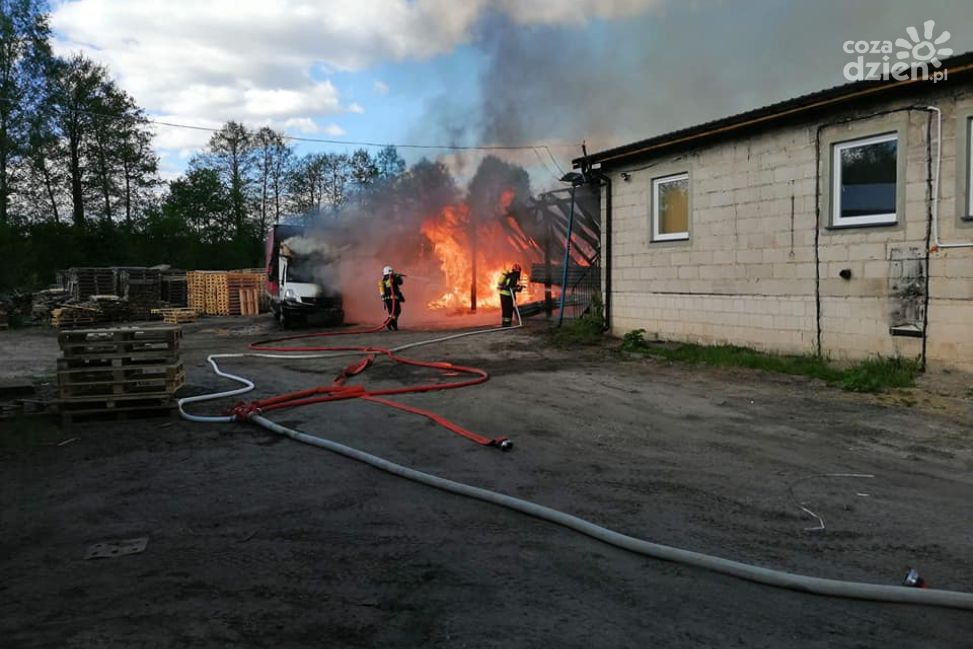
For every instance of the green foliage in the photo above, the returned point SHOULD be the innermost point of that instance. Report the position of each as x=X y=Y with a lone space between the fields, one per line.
x=32 y=253
x=634 y=340
x=871 y=375
x=589 y=329
x=877 y=374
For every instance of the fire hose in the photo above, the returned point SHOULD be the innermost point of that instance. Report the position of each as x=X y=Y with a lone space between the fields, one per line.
x=338 y=391
x=741 y=570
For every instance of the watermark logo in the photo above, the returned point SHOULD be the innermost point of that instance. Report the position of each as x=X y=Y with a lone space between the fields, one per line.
x=915 y=57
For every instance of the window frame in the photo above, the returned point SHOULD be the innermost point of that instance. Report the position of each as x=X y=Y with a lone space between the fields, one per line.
x=838 y=221
x=656 y=183
x=968 y=216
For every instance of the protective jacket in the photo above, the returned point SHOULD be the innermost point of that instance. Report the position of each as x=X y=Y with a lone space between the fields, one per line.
x=509 y=282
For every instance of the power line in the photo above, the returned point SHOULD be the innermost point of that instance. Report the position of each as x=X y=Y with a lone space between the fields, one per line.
x=296 y=138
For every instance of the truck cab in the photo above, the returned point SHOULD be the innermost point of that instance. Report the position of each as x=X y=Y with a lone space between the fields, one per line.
x=297 y=294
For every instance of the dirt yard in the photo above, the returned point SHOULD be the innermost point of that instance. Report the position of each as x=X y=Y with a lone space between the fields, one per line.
x=259 y=541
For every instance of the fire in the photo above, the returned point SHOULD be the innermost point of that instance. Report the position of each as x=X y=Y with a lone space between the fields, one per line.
x=450 y=233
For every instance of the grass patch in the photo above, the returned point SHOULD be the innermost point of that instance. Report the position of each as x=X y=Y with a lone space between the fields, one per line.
x=871 y=375
x=589 y=329
x=576 y=332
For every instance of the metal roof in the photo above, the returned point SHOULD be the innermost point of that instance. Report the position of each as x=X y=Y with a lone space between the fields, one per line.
x=773 y=114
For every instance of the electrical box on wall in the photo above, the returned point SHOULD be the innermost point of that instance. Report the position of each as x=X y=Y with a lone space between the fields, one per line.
x=907 y=291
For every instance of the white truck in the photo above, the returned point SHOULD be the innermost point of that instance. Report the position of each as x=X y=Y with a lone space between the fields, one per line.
x=297 y=296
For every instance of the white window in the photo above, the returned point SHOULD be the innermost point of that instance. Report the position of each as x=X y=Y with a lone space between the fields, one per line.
x=865 y=187
x=670 y=207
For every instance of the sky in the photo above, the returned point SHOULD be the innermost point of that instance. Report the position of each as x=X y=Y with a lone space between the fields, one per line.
x=542 y=73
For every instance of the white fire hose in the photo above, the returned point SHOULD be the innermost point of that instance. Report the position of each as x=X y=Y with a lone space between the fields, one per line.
x=767 y=576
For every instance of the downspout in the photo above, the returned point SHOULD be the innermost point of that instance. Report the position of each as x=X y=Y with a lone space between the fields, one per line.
x=606 y=252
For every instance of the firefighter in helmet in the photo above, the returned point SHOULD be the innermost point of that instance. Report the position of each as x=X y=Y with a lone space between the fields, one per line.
x=508 y=287
x=391 y=296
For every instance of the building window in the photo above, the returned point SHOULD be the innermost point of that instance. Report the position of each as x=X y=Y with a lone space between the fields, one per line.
x=864 y=190
x=670 y=208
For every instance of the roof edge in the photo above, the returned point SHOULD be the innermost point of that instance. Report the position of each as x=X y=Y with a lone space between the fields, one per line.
x=767 y=115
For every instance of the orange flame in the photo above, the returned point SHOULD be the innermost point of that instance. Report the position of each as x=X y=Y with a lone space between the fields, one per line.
x=450 y=231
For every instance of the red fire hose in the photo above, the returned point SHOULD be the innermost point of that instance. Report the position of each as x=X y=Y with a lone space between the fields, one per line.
x=338 y=391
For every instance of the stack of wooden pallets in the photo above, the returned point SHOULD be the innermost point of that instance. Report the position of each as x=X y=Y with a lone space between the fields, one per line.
x=224 y=292
x=122 y=372
x=82 y=283
x=177 y=315
x=141 y=288
x=69 y=315
x=174 y=288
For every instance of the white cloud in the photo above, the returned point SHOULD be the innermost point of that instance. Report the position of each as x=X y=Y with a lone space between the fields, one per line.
x=334 y=130
x=260 y=61
x=304 y=125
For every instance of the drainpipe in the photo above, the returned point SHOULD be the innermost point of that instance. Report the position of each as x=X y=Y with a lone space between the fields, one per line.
x=606 y=251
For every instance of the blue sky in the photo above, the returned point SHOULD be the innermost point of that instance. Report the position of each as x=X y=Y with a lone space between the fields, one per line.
x=493 y=72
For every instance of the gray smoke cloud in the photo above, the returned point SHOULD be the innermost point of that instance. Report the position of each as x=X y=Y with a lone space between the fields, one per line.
x=673 y=66
x=346 y=252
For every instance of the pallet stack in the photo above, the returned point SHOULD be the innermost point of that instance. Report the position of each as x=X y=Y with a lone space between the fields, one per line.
x=174 y=291
x=127 y=372
x=82 y=283
x=68 y=316
x=224 y=292
x=177 y=315
x=141 y=287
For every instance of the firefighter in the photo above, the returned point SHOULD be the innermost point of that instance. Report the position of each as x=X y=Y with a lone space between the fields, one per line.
x=508 y=287
x=391 y=296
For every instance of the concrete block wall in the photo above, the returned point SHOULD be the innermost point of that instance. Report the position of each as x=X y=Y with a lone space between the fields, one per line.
x=747 y=274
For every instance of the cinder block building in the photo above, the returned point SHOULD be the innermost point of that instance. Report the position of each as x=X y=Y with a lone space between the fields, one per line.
x=839 y=222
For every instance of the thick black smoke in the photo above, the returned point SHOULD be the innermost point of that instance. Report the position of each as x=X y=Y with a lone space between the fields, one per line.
x=384 y=227
x=677 y=65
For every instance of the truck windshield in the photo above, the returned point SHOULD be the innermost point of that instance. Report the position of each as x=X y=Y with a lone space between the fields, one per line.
x=298 y=271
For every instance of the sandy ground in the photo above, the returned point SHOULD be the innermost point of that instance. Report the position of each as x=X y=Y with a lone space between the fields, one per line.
x=259 y=541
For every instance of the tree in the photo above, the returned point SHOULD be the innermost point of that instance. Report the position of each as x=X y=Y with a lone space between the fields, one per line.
x=426 y=188
x=363 y=169
x=77 y=83
x=202 y=202
x=40 y=196
x=337 y=167
x=273 y=156
x=233 y=155
x=24 y=57
x=305 y=181
x=389 y=163
x=139 y=167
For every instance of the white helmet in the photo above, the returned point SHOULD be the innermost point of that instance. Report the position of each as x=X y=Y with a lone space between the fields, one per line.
x=387 y=270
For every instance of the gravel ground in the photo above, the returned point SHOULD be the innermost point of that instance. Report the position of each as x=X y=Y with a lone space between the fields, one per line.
x=259 y=541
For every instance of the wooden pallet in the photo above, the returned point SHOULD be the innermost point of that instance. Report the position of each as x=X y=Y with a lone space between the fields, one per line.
x=121 y=372
x=70 y=316
x=170 y=373
x=124 y=346
x=177 y=316
x=110 y=382
x=121 y=335
x=224 y=292
x=118 y=361
x=73 y=416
